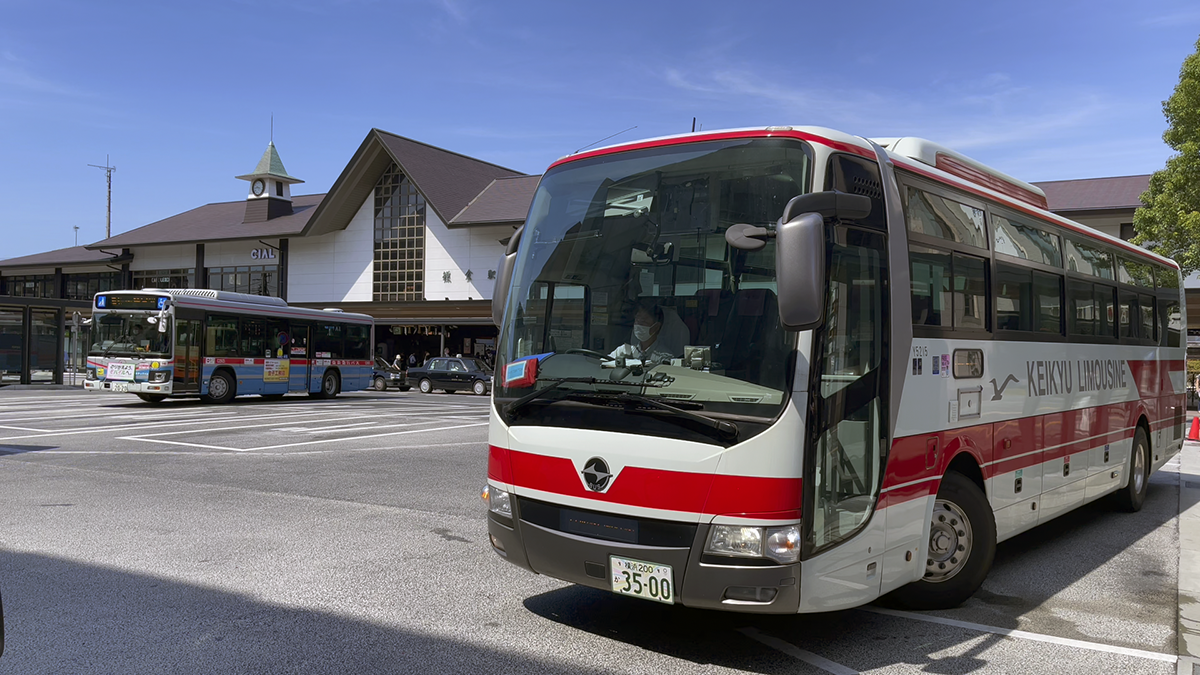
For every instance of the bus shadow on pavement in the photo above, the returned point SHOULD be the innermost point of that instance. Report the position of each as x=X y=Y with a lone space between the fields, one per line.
x=1029 y=571
x=62 y=616
x=20 y=449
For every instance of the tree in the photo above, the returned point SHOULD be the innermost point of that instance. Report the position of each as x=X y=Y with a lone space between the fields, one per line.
x=1169 y=221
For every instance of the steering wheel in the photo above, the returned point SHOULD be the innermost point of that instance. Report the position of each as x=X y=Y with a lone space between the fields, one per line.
x=589 y=352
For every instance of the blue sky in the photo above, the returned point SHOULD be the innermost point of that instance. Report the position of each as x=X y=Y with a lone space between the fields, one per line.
x=180 y=95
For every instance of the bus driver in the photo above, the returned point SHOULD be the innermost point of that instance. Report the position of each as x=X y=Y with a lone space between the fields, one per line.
x=658 y=336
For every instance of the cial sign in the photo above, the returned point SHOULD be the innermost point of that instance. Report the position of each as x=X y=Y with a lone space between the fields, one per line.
x=262 y=254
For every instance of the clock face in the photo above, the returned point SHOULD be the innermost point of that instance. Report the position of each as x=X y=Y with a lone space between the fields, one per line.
x=258 y=186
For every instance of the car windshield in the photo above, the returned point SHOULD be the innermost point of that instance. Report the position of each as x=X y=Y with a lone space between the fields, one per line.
x=624 y=277
x=475 y=364
x=128 y=335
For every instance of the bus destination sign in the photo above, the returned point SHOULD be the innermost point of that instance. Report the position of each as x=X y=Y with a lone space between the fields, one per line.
x=130 y=301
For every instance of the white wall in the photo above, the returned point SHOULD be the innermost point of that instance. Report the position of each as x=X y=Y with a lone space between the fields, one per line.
x=455 y=251
x=235 y=253
x=335 y=267
x=171 y=257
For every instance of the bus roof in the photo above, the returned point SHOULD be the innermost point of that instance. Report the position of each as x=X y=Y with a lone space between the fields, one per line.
x=914 y=154
x=267 y=306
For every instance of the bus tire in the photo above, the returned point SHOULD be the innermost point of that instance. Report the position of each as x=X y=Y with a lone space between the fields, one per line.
x=331 y=385
x=1134 y=495
x=379 y=384
x=425 y=386
x=962 y=545
x=152 y=399
x=221 y=387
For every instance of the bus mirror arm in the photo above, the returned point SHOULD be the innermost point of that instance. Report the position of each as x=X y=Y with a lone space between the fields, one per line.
x=800 y=271
x=504 y=274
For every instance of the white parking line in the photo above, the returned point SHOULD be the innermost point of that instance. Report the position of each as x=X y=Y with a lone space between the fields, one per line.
x=794 y=651
x=146 y=439
x=1025 y=635
x=336 y=427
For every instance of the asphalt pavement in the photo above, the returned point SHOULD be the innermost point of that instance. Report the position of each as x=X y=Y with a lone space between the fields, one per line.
x=348 y=536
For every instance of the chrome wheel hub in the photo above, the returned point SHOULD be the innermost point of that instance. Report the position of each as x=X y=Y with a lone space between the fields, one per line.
x=950 y=541
x=217 y=388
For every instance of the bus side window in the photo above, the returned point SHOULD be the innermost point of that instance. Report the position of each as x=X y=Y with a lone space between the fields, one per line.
x=253 y=338
x=220 y=336
x=1126 y=309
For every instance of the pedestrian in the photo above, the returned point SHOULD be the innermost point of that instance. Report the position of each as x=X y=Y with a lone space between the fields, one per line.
x=398 y=362
x=447 y=352
x=412 y=360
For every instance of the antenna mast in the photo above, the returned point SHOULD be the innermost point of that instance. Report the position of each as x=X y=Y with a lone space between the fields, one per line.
x=108 y=172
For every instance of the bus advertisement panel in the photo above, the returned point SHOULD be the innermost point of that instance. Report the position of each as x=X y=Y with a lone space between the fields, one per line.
x=791 y=370
x=218 y=345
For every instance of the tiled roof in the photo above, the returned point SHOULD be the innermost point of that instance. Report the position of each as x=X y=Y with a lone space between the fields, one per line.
x=1091 y=194
x=506 y=200
x=215 y=222
x=75 y=255
x=448 y=180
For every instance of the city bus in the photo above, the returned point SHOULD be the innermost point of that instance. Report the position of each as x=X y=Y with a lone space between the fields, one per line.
x=788 y=369
x=218 y=344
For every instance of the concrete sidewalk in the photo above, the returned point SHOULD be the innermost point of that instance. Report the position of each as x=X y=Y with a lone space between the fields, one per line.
x=1189 y=555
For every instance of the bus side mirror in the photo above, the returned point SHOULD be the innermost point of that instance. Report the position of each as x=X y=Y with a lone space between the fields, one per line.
x=504 y=274
x=800 y=253
x=800 y=271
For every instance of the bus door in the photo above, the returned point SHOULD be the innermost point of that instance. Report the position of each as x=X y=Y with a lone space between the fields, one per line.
x=277 y=363
x=187 y=356
x=300 y=362
x=847 y=448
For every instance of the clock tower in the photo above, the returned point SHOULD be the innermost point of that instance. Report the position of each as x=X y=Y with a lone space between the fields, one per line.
x=270 y=188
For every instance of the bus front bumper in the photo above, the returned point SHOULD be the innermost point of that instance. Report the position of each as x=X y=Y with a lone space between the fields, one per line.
x=113 y=386
x=775 y=589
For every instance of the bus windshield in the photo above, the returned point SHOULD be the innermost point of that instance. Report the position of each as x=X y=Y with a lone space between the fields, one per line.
x=128 y=335
x=624 y=279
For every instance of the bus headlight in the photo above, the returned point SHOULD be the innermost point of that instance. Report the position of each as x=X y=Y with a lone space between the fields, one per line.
x=159 y=376
x=735 y=540
x=498 y=502
x=781 y=544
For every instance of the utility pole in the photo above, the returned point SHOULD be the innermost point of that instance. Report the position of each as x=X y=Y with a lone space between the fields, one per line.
x=76 y=235
x=108 y=172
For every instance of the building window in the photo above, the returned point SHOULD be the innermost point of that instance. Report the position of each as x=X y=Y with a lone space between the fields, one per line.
x=252 y=279
x=30 y=286
x=399 y=272
x=181 y=278
x=86 y=286
x=1127 y=231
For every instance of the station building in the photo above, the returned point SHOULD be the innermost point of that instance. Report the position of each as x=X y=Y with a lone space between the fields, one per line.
x=409 y=233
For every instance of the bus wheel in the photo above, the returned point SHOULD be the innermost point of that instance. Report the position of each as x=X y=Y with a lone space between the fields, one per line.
x=380 y=384
x=425 y=386
x=962 y=544
x=221 y=388
x=1131 y=498
x=330 y=385
x=152 y=399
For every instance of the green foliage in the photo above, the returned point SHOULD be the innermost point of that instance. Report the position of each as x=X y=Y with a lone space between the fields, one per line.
x=1169 y=221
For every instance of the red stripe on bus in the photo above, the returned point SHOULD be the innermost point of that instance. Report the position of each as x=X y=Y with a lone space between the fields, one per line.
x=719 y=136
x=917 y=462
x=717 y=494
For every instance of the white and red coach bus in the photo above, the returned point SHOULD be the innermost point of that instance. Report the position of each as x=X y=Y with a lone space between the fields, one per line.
x=791 y=370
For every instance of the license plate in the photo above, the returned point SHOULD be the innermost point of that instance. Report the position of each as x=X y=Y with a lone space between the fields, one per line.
x=651 y=581
x=120 y=371
x=121 y=388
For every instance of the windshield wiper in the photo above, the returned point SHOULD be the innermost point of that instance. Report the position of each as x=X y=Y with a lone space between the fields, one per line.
x=513 y=406
x=727 y=430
